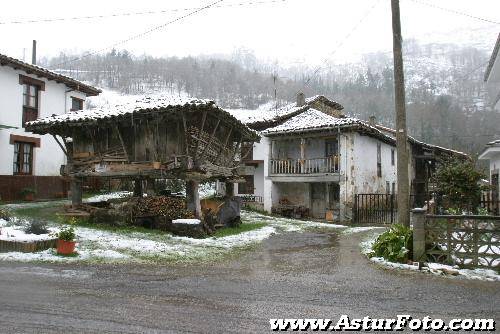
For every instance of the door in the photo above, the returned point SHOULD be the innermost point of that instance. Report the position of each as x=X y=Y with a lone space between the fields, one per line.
x=318 y=203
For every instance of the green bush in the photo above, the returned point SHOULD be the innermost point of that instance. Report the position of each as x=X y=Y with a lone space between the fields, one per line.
x=67 y=234
x=5 y=214
x=395 y=245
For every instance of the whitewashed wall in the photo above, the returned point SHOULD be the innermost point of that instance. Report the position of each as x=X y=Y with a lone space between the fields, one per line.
x=53 y=100
x=359 y=166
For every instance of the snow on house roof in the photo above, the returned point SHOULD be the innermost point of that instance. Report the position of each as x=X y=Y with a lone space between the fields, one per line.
x=311 y=119
x=253 y=117
x=494 y=143
x=50 y=75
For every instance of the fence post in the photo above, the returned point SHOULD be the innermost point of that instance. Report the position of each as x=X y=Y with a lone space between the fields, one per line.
x=417 y=219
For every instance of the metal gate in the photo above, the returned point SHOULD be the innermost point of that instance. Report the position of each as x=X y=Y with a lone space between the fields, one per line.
x=374 y=209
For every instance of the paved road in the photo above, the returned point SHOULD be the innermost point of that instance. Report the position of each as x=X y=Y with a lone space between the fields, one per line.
x=295 y=275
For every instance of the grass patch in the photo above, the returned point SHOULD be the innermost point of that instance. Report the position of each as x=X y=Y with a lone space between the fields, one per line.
x=245 y=227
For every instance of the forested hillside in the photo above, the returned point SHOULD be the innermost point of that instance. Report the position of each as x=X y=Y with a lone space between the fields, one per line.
x=445 y=93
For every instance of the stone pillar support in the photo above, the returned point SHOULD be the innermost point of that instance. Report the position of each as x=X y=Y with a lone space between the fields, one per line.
x=76 y=191
x=418 y=221
x=193 y=198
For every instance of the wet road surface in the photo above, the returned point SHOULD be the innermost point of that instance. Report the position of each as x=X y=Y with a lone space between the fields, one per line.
x=292 y=275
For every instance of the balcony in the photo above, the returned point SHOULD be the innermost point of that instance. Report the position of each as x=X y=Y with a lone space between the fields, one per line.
x=313 y=166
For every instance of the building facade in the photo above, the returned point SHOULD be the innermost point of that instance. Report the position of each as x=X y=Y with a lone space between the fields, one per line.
x=313 y=160
x=28 y=92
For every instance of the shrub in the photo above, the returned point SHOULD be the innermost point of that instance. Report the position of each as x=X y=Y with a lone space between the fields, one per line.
x=5 y=214
x=458 y=182
x=67 y=234
x=36 y=227
x=395 y=245
x=27 y=191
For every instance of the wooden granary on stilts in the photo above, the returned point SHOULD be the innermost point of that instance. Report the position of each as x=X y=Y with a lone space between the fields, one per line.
x=155 y=137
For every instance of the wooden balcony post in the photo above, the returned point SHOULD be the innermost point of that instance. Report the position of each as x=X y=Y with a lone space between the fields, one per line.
x=302 y=154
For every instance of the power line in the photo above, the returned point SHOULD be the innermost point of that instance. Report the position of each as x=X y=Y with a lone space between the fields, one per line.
x=456 y=12
x=161 y=26
x=342 y=42
x=90 y=17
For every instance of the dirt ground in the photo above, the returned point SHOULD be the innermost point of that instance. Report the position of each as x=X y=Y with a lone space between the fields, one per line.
x=290 y=275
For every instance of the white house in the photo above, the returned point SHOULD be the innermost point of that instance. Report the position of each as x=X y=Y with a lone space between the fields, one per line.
x=492 y=150
x=28 y=92
x=313 y=160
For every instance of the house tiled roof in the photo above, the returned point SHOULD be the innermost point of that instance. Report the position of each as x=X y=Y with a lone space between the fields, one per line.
x=267 y=118
x=311 y=119
x=50 y=75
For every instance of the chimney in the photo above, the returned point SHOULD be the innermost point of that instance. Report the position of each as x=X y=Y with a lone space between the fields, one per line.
x=301 y=99
x=33 y=54
x=372 y=120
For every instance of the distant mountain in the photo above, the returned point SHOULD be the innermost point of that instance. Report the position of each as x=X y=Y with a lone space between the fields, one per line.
x=446 y=99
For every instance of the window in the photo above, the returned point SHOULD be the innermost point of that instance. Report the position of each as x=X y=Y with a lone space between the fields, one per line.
x=393 y=157
x=76 y=104
x=387 y=187
x=394 y=188
x=331 y=148
x=379 y=160
x=31 y=97
x=247 y=187
x=23 y=158
x=30 y=103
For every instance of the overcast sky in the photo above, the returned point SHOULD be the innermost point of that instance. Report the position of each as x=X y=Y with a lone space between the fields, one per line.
x=290 y=31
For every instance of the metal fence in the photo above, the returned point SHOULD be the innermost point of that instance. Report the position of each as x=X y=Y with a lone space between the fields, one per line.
x=467 y=241
x=374 y=209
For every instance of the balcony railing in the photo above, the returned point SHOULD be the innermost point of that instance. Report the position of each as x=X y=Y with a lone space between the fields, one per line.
x=305 y=166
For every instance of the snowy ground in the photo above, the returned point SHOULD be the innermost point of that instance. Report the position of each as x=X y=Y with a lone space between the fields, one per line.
x=105 y=246
x=432 y=268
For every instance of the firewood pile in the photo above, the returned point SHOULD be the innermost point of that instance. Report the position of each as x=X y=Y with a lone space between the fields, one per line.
x=169 y=207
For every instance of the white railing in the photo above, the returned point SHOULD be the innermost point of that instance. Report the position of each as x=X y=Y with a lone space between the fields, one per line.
x=305 y=166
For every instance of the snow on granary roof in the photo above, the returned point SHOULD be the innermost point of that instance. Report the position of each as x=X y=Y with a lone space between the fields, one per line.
x=145 y=104
x=311 y=119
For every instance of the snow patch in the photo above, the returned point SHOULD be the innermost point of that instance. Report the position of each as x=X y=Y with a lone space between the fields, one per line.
x=430 y=267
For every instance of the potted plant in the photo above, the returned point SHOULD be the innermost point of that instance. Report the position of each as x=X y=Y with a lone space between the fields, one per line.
x=28 y=194
x=66 y=241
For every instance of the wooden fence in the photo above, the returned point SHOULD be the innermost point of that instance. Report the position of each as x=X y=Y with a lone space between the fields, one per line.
x=305 y=166
x=464 y=240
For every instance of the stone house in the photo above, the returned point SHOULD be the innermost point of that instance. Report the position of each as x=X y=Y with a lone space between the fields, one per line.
x=313 y=157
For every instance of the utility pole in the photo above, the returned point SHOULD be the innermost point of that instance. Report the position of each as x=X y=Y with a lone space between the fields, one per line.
x=403 y=195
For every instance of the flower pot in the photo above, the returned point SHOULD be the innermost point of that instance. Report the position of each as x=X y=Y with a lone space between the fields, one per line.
x=65 y=247
x=156 y=165
x=29 y=197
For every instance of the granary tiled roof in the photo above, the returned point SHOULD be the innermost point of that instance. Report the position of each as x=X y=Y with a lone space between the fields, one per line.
x=155 y=103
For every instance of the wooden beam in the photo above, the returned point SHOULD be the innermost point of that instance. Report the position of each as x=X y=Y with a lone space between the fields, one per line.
x=122 y=142
x=225 y=143
x=62 y=147
x=201 y=130
x=210 y=140
x=184 y=124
